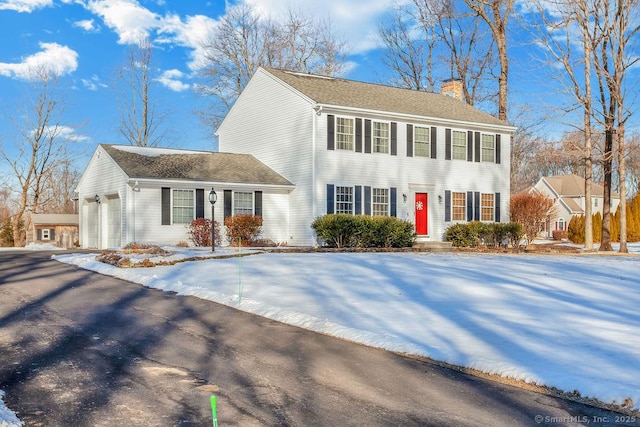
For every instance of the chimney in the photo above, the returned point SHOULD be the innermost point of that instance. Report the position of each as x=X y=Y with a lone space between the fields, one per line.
x=453 y=88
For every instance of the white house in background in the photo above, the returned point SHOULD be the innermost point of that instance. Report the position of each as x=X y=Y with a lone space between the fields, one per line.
x=140 y=194
x=568 y=192
x=370 y=149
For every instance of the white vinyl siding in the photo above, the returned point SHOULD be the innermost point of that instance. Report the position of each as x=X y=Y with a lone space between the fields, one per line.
x=183 y=206
x=380 y=201
x=380 y=137
x=344 y=133
x=459 y=145
x=421 y=140
x=488 y=148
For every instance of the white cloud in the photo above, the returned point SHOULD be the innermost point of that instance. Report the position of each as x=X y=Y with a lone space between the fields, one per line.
x=93 y=83
x=172 y=79
x=191 y=32
x=126 y=17
x=26 y=6
x=53 y=57
x=86 y=24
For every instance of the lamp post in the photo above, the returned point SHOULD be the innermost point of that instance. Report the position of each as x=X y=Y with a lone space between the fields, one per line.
x=213 y=198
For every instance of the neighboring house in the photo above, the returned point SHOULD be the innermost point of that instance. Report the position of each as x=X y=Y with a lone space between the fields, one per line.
x=360 y=148
x=568 y=193
x=60 y=230
x=141 y=194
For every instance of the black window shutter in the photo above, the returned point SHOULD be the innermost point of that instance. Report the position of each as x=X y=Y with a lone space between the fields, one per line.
x=257 y=207
x=470 y=146
x=478 y=152
x=358 y=200
x=434 y=142
x=447 y=206
x=358 y=135
x=166 y=206
x=38 y=234
x=394 y=139
x=409 y=140
x=200 y=203
x=367 y=136
x=393 y=194
x=228 y=194
x=330 y=199
x=331 y=132
x=52 y=234
x=447 y=144
x=498 y=148
x=367 y=200
x=469 y=205
x=476 y=206
x=497 y=207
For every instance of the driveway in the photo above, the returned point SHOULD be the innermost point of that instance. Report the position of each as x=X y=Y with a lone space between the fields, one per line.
x=82 y=349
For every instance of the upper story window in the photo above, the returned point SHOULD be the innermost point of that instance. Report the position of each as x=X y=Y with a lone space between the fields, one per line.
x=458 y=206
x=487 y=207
x=183 y=206
x=380 y=135
x=344 y=200
x=488 y=148
x=344 y=133
x=380 y=201
x=459 y=145
x=422 y=141
x=242 y=203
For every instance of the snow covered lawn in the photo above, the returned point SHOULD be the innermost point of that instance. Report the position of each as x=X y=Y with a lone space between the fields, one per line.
x=570 y=322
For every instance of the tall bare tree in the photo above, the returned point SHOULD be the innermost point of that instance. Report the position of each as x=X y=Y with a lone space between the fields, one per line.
x=39 y=146
x=140 y=121
x=496 y=14
x=243 y=40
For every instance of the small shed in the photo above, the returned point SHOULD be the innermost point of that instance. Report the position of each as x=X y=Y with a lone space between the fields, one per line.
x=58 y=229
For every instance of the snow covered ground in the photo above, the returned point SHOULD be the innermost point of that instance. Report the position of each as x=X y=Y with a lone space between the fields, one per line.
x=571 y=322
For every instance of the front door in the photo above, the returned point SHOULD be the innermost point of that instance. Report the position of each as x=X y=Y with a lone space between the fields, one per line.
x=421 y=204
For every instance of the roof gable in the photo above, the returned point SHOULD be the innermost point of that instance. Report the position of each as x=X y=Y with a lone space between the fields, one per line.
x=375 y=97
x=573 y=186
x=165 y=163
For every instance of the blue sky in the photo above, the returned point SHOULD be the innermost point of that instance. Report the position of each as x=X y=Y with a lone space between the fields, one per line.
x=87 y=40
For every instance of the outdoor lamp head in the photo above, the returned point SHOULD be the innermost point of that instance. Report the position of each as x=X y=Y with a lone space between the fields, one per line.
x=213 y=196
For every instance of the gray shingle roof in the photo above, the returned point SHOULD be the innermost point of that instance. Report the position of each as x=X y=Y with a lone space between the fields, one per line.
x=163 y=163
x=350 y=93
x=573 y=186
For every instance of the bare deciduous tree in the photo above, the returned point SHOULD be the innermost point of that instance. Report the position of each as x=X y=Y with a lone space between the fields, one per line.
x=140 y=121
x=242 y=41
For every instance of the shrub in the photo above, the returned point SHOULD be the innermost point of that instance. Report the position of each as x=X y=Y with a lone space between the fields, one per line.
x=576 y=229
x=344 y=230
x=243 y=229
x=476 y=233
x=531 y=209
x=200 y=232
x=460 y=235
x=559 y=234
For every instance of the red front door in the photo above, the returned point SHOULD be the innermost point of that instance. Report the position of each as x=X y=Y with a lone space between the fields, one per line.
x=421 y=205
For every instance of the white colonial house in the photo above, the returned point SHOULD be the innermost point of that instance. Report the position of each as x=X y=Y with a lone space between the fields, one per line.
x=568 y=193
x=297 y=146
x=140 y=194
x=370 y=149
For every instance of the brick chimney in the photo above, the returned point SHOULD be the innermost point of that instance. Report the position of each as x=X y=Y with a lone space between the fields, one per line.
x=452 y=87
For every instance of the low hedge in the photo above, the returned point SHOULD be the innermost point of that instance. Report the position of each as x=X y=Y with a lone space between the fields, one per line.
x=472 y=234
x=363 y=231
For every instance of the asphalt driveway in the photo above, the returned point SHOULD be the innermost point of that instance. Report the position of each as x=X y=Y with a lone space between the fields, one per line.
x=78 y=348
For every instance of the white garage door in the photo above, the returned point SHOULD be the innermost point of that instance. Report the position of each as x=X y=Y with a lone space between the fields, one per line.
x=90 y=224
x=114 y=221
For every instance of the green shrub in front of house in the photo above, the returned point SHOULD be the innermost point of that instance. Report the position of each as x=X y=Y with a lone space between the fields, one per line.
x=363 y=231
x=476 y=233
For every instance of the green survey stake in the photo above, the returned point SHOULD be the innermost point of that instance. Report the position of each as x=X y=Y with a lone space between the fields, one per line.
x=214 y=410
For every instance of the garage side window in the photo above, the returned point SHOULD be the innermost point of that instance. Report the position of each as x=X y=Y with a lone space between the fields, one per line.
x=183 y=206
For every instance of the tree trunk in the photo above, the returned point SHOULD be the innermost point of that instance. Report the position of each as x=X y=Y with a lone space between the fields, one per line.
x=605 y=239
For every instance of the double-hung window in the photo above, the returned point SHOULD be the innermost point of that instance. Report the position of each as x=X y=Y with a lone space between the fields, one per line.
x=183 y=206
x=344 y=200
x=458 y=206
x=380 y=137
x=242 y=203
x=459 y=145
x=380 y=201
x=344 y=133
x=487 y=207
x=488 y=148
x=45 y=234
x=421 y=138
